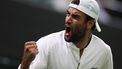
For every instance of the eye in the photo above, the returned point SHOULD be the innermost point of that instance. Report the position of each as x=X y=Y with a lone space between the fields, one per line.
x=67 y=13
x=76 y=16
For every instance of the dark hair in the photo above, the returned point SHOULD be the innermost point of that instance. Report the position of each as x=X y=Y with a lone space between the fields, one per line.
x=88 y=18
x=76 y=2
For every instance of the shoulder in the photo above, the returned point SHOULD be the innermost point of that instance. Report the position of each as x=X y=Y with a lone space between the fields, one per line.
x=50 y=39
x=51 y=36
x=102 y=50
x=97 y=44
x=100 y=45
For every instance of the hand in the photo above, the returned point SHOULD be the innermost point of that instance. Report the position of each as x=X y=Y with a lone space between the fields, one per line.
x=30 y=52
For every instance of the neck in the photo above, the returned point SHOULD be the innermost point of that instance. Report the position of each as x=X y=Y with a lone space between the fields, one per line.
x=83 y=43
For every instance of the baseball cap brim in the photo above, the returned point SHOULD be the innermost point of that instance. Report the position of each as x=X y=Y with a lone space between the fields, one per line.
x=97 y=26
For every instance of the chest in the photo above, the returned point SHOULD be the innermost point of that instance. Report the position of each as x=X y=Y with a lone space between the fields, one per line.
x=68 y=58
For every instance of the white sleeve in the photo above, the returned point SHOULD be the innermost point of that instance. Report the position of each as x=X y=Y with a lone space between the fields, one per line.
x=40 y=61
x=109 y=60
x=19 y=66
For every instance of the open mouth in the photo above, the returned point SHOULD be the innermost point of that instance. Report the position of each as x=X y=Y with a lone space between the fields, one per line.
x=67 y=30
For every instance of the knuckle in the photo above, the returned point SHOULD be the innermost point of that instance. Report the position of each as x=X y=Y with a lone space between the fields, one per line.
x=30 y=42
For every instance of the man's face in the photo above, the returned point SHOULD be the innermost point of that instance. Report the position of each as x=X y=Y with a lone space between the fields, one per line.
x=75 y=25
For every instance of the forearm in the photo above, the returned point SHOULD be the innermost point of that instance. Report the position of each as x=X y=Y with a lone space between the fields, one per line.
x=24 y=65
x=30 y=52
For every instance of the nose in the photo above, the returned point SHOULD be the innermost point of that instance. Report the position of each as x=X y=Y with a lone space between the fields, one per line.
x=69 y=20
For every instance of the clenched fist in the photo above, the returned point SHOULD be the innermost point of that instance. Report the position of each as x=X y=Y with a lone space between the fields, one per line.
x=30 y=51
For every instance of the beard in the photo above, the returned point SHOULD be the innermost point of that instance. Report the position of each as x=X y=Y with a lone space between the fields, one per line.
x=75 y=34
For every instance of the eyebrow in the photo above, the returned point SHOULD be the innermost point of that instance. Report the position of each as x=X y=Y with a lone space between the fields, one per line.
x=75 y=12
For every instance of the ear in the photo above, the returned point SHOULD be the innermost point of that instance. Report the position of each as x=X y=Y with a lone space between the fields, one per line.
x=90 y=24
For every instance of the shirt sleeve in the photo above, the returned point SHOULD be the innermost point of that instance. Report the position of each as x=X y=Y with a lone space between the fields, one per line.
x=109 y=60
x=41 y=60
x=19 y=66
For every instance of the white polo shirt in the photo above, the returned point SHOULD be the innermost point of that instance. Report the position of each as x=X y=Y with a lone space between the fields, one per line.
x=56 y=53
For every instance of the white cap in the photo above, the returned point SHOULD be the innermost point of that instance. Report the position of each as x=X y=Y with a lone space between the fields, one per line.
x=89 y=7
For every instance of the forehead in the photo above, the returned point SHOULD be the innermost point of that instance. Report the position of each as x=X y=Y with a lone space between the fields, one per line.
x=75 y=11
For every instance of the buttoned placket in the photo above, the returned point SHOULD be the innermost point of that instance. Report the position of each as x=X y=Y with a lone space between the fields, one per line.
x=75 y=54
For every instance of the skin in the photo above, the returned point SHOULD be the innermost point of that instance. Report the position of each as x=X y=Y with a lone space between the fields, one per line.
x=80 y=30
x=80 y=34
x=30 y=52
